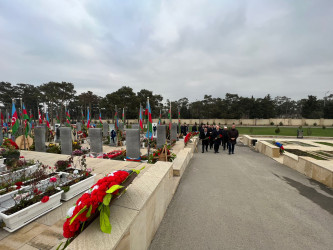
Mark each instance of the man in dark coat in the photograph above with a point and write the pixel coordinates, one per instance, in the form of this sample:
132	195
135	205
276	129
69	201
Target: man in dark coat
224	137
194	128
211	139
204	136
217	136
113	135
232	137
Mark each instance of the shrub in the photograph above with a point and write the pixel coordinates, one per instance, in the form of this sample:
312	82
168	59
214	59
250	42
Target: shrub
251	130
272	123
108	121
324	127
277	130
315	124
281	124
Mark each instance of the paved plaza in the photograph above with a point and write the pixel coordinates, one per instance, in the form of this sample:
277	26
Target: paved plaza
246	201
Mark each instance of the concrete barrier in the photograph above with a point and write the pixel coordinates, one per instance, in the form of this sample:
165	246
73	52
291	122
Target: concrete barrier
310	168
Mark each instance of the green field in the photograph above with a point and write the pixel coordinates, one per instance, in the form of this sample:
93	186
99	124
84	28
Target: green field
285	131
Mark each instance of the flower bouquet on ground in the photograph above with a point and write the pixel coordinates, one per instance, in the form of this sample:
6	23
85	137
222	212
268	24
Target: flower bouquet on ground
53	148
189	136
280	145
96	201
162	154
115	154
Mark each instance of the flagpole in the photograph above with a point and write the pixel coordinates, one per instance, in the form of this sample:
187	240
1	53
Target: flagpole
148	146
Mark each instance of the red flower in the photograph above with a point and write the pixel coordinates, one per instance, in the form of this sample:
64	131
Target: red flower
45	199
69	165
20	183
36	191
53	179
21	156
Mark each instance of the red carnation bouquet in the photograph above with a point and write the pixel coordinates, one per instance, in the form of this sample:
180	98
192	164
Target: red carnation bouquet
97	198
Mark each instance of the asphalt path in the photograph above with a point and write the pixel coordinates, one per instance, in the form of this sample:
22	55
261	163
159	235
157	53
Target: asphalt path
246	201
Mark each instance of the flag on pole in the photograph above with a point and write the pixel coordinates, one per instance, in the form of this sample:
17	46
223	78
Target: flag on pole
123	116
57	118
40	117
160	118
116	120
170	118
2	121
100	118
149	121
26	120
68	118
140	119
82	117
88	119
48	120
179	120
15	121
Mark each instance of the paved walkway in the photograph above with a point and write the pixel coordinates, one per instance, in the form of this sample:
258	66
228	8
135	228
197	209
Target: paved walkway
246	201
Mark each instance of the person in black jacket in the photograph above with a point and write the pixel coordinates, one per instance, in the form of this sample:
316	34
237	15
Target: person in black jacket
211	140
194	128
217	136
225	137
232	137
204	136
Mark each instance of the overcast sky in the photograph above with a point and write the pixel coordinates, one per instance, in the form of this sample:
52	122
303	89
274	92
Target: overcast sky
177	48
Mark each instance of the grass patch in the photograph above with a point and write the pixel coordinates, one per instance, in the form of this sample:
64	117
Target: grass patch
284	131
303	153
325	143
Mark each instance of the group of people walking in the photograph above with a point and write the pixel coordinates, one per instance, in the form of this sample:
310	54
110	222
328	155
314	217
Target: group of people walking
213	136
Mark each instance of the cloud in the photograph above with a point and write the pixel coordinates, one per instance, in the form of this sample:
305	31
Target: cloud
175	48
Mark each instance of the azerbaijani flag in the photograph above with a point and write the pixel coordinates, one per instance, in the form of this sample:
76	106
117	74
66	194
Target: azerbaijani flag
48	120
40	117
88	120
15	121
123	116
140	120
116	120
1	114
68	118
57	118
150	121
100	118
169	116
26	120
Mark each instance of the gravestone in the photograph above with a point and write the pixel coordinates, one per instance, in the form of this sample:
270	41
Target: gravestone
173	132
40	139
161	136
135	126
96	140
121	126
78	126
1	136
105	129
66	140
133	144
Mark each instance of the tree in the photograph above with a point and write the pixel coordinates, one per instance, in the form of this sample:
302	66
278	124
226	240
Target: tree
57	95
